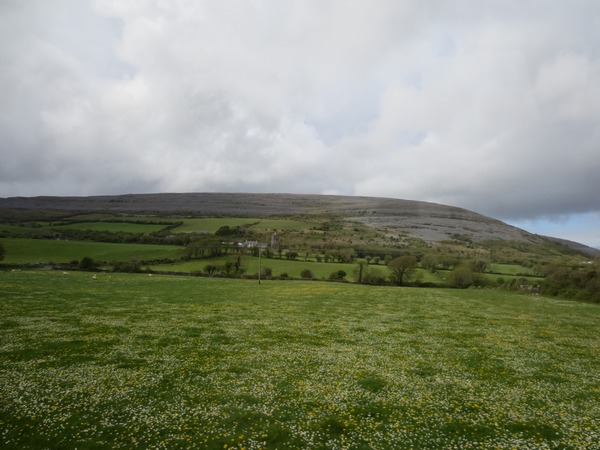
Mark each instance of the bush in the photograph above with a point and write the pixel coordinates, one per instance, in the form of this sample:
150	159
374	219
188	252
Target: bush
211	269
124	266
266	273
461	277
307	274
87	263
582	283
373	276
337	275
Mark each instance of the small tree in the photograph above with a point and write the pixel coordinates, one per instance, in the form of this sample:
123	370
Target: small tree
402	268
461	277
337	275
430	262
479	266
87	263
373	276
228	267
359	271
237	264
210	269
306	273
266	273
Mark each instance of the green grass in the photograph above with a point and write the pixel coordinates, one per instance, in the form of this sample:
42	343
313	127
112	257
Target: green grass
19	230
23	251
180	362
113	227
292	268
510	269
277	265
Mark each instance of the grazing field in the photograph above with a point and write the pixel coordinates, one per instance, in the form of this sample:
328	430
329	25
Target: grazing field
510	269
113	227
34	251
291	268
142	361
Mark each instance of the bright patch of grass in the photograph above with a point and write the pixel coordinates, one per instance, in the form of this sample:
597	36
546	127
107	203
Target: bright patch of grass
166	362
24	230
22	251
113	227
510	269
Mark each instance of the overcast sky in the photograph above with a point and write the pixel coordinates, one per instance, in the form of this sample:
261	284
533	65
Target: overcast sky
490	105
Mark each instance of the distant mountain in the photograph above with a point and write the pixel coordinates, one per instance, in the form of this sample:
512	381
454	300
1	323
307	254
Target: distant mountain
428	221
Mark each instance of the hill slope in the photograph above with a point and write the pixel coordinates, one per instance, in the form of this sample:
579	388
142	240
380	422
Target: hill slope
428	221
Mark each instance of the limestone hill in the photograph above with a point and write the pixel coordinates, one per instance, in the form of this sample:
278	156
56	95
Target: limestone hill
427	221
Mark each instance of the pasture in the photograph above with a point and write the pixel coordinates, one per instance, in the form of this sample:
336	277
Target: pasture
113	227
164	362
34	251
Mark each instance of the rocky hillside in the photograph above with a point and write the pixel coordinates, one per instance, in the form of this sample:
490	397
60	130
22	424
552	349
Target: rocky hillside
428	221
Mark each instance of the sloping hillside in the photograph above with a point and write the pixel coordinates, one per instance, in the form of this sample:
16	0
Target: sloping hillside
428	221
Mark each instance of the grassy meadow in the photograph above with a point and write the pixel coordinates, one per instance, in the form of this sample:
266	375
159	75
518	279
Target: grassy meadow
114	227
161	362
34	251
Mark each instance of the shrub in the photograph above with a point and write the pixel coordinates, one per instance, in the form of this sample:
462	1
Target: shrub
87	263
461	277
210	269
126	266
291	255
307	274
373	276
337	275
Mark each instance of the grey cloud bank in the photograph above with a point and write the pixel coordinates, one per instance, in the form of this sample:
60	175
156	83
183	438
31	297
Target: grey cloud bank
491	106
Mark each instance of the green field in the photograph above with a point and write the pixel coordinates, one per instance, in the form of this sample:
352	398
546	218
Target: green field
34	251
139	361
277	265
292	268
510	269
22	230
113	227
